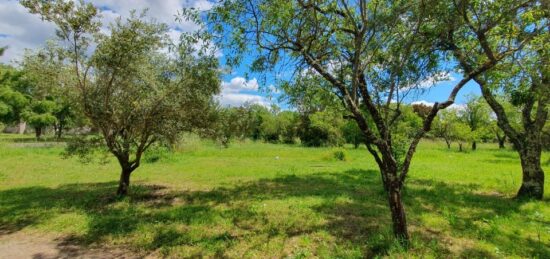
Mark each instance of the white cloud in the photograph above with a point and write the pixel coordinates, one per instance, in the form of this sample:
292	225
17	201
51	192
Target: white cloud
273	89
436	78
454	106
238	99
240	83
431	81
20	30
239	91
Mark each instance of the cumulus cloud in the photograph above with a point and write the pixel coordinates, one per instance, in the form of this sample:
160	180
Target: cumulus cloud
240	83
239	91
21	30
432	80
454	106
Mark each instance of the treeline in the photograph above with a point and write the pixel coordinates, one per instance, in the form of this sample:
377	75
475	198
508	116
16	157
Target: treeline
465	125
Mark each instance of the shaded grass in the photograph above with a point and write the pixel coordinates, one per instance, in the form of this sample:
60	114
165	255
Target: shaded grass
241	202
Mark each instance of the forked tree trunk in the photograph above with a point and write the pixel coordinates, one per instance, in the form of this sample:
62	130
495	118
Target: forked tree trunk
124	182
532	186
474	145
448	142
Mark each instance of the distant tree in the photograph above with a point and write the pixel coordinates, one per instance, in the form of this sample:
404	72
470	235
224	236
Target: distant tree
39	115
310	95
12	100
476	116
352	133
130	89
53	80
462	134
288	126
2	49
444	126
324	129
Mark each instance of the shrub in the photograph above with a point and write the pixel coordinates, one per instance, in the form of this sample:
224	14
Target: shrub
339	155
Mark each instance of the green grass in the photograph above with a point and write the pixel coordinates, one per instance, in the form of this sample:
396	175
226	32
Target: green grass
262	200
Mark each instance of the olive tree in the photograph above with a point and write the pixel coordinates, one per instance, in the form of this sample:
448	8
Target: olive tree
137	87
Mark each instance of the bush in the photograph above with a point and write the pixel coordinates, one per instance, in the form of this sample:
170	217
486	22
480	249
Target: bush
339	155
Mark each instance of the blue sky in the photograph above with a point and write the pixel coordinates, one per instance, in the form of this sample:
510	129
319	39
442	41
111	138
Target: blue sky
20	30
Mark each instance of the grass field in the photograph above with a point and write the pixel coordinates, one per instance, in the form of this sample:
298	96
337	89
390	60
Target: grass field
263	200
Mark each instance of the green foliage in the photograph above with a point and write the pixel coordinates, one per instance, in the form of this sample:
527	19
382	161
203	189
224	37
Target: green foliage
352	133
12	100
40	114
323	129
339	155
52	79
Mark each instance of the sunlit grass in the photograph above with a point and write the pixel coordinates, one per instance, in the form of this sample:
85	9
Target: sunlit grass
265	200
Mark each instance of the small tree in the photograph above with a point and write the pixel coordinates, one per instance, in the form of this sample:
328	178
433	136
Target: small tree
444	126
39	115
476	116
130	89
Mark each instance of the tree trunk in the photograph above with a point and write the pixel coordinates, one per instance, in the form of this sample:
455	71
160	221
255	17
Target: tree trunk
448	143
38	132
460	147
124	182
532	186
474	145
501	143
59	131
393	189
398	216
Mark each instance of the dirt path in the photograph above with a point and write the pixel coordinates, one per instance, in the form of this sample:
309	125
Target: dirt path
24	245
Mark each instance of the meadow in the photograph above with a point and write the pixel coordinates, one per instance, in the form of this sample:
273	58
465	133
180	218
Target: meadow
258	200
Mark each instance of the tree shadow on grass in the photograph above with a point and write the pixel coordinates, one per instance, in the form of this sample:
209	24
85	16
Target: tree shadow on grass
350	206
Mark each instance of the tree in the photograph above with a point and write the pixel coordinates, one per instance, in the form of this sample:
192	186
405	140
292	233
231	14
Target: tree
476	116
515	35
288	126
352	133
370	54
311	96
12	100
130	89
39	115
444	126
462	133
52	79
